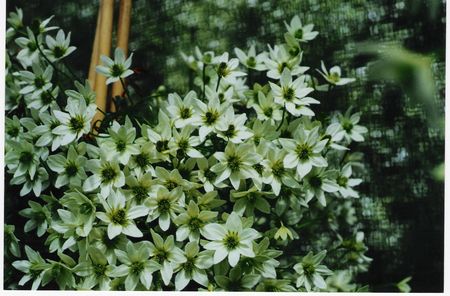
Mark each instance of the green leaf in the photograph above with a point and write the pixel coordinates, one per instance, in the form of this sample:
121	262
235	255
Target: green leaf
222	281
403	285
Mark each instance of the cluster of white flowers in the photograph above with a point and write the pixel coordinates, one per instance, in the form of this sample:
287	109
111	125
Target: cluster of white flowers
228	172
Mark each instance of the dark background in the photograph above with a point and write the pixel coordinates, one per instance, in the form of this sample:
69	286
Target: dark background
402	203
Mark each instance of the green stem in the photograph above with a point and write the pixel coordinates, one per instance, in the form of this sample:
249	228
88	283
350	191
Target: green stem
218	83
204	82
282	118
125	89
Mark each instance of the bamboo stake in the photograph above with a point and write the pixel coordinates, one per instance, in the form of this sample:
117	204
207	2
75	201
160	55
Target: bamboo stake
95	56
123	33
104	48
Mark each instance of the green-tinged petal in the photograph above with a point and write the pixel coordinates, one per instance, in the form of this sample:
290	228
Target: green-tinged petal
166	272
146	279
114	230
119	271
214	231
181	280
131	282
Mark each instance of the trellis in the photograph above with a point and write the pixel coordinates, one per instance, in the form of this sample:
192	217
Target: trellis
102	46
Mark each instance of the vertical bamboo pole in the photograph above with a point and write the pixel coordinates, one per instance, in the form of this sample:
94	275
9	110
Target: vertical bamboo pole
95	56
123	33
104	48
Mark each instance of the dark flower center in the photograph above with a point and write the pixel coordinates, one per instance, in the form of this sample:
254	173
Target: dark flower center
163	205
13	131
46	98
99	269
26	157
210	175
39	82
288	93
116	70
234	162
315	182
189	266
230	132
195	224
268	111
185	113
136	267
223	70
171	184
121	145
108	174
231	240
251	62
162	145
140	193
347	126
119	216
278	169
210	117
183	144
299	34
59	51
77	123
303	151
142	160
308	269
161	256
342	181
31	46
71	169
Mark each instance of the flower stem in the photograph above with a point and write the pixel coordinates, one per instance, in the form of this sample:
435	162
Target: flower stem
204	82
218	83
125	89
282	118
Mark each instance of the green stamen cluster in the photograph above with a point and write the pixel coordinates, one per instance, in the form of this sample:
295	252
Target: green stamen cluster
108	173
116	70
303	151
195	224
162	145
231	240
119	216
121	145
315	182
77	123
26	157
251	62
308	269
222	69
231	131
278	169
142	160
185	113
140	193
71	169
210	117
136	267
234	162
163	205
99	269
288	93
